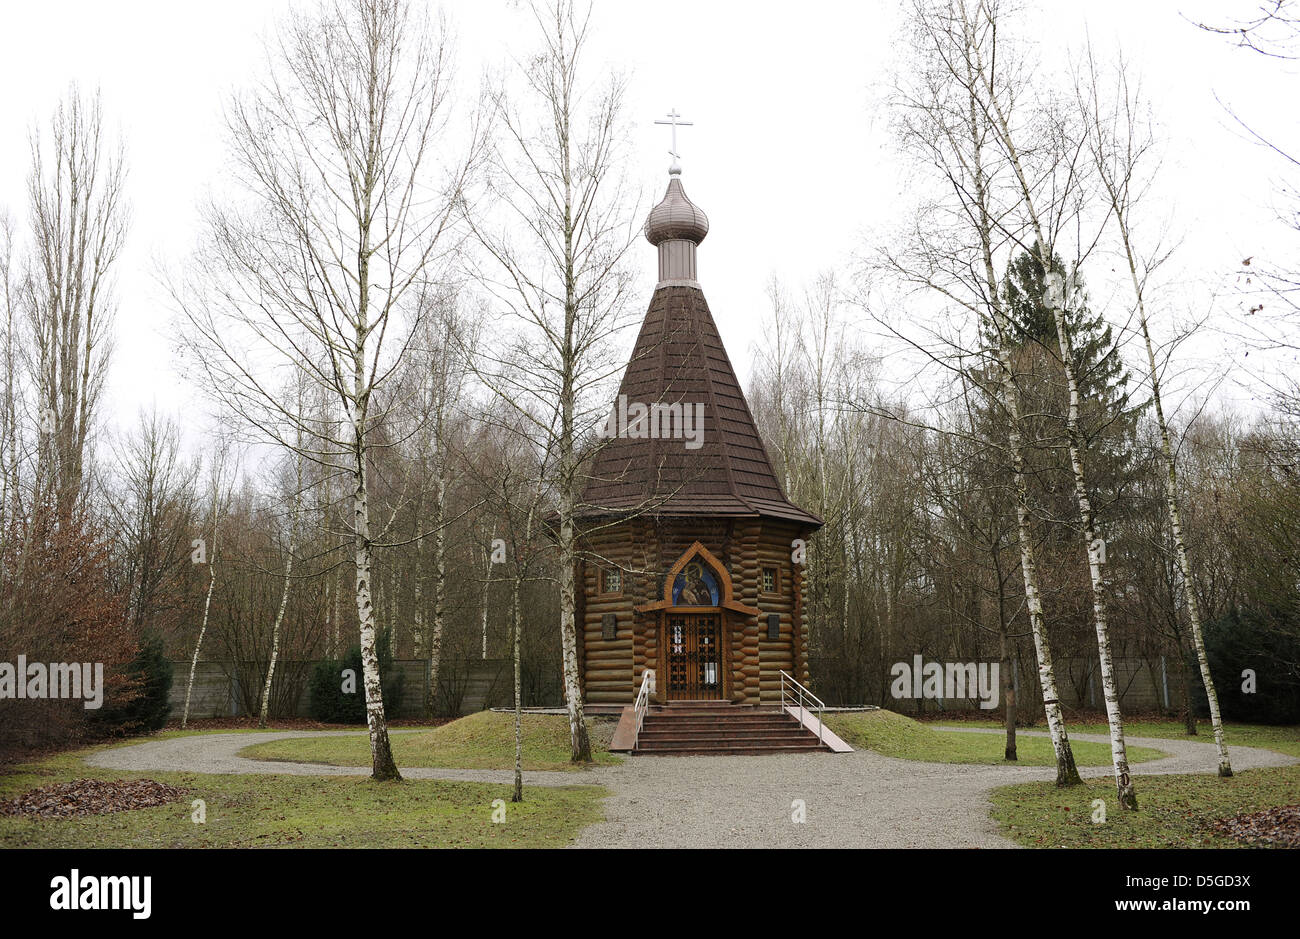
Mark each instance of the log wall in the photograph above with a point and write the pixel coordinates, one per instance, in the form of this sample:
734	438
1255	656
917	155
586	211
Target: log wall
645	549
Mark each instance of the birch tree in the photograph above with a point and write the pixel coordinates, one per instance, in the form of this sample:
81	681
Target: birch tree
442	376
328	255
953	254
1120	143
1047	178
511	473
220	488
290	546
555	265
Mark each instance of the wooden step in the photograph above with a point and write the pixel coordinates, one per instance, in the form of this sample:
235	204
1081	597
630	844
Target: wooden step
681	733
690	728
717	717
733	748
679	743
728	728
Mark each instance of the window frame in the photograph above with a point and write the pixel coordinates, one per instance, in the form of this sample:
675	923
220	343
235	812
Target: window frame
604	576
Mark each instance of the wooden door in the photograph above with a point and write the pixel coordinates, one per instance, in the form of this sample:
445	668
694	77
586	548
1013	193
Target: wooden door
693	648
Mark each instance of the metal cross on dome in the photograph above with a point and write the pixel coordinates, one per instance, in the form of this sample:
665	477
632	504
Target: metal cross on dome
675	120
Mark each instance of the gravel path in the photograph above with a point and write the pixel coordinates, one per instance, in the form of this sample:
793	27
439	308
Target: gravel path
218	753
852	800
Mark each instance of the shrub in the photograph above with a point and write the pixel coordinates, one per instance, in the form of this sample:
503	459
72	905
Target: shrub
144	707
330	704
1268	642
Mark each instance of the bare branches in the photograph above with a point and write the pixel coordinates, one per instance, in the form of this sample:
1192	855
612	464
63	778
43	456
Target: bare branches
326	267
554	262
78	219
1273	29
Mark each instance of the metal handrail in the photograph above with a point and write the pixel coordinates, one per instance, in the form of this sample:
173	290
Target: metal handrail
797	694
642	703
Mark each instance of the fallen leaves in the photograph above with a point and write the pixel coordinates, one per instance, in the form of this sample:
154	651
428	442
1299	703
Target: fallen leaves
1279	827
91	797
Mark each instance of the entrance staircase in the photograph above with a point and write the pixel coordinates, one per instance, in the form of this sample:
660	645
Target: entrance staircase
681	728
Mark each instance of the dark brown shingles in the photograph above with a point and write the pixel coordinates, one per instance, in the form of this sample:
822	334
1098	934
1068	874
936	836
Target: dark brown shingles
679	357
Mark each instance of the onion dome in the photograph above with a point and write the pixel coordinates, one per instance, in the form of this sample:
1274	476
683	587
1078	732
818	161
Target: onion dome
676	217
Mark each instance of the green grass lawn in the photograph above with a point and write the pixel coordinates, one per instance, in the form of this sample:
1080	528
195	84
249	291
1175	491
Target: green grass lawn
1173	811
1284	739
302	811
894	735
481	741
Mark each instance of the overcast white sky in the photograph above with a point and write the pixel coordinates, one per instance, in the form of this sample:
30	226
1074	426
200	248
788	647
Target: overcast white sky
789	155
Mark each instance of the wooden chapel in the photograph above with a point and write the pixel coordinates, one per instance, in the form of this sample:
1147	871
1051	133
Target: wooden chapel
691	553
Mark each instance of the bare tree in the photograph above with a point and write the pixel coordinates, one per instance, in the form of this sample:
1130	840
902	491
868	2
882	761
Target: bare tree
291	543
443	373
1120	142
1047	176
78	221
12	454
221	482
327	263
518	500
556	266
154	516
953	254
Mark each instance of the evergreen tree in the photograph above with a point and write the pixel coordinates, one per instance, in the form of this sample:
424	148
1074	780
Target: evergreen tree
1109	416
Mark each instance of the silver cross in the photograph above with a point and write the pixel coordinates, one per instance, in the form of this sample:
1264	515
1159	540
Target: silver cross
675	120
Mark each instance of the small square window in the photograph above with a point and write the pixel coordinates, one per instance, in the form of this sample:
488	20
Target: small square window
770	580
611	580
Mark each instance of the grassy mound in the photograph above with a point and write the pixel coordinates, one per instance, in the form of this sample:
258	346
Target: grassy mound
1280	737
481	741
1173	811
894	735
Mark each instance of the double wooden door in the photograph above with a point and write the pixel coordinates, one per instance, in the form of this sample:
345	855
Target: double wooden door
693	649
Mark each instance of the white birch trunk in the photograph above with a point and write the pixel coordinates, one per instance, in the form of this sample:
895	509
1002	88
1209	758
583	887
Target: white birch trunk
1123	782
394	605
1067	773
581	744
275	639
284	602
487	583
1119	754
338	617
514	652
203	628
439	589
381	753
417	613
1118	189
329	622
1180	547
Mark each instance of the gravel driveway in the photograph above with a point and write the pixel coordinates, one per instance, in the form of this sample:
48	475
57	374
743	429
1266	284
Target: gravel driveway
851	800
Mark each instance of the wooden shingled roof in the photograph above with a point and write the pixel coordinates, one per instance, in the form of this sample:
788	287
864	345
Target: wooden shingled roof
679	358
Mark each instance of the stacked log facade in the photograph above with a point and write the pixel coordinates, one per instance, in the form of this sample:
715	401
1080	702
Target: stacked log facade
644	550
